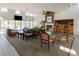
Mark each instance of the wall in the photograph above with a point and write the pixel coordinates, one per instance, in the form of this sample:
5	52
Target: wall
71	13
10	15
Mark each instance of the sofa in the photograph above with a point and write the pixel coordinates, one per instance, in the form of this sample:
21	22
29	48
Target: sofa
11	32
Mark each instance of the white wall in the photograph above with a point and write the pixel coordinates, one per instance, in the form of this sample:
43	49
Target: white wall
71	13
10	15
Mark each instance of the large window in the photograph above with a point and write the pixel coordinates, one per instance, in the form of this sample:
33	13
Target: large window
22	25
11	24
30	24
27	24
34	23
4	25
17	25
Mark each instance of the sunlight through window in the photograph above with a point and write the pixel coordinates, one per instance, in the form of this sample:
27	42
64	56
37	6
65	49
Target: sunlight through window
64	49
73	52
68	50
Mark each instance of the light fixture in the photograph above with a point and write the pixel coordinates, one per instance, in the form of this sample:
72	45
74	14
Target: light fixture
3	9
31	14
18	12
27	14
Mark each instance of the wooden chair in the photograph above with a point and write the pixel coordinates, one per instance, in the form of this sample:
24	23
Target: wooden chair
11	32
45	38
65	37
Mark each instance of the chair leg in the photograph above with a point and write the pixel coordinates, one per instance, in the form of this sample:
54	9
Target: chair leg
26	38
32	37
58	41
53	43
23	37
48	47
67	40
18	35
41	44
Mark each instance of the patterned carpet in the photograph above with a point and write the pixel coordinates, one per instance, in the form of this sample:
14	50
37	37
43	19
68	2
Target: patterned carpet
32	47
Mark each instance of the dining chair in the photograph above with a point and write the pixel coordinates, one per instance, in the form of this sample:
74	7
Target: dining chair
27	33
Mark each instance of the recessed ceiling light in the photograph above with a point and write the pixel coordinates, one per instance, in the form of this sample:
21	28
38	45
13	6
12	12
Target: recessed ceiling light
27	14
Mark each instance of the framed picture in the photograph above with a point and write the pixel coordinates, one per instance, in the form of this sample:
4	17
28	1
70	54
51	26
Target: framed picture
49	19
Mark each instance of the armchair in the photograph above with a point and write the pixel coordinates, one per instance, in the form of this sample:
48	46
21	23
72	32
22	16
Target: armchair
45	38
11	32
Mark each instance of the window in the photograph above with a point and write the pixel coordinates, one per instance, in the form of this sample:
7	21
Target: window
27	24
4	25
27	14
18	12
34	15
11	24
3	9
34	23
31	15
22	24
31	24
17	25
49	19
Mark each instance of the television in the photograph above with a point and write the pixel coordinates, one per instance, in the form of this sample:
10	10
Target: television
17	17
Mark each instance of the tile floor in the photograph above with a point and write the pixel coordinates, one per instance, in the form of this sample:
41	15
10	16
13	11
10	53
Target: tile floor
6	49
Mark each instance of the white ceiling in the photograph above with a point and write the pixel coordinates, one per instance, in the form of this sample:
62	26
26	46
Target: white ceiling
37	7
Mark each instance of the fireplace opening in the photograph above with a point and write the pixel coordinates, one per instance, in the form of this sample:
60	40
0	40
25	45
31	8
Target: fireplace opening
48	27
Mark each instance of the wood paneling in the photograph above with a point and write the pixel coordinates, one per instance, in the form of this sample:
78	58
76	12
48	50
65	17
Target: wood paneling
64	26
49	14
